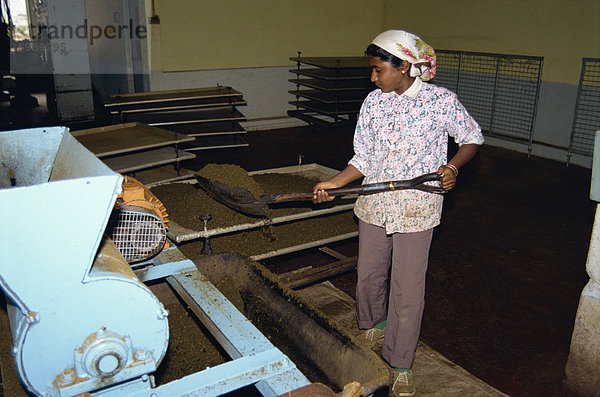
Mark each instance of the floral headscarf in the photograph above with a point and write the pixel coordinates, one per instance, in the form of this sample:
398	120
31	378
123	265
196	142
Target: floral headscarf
411	48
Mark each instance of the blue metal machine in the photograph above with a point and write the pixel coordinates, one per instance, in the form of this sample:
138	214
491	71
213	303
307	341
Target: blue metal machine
81	320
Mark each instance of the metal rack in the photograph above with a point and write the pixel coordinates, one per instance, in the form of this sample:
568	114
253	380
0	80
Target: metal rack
329	90
500	91
209	115
586	120
151	155
180	234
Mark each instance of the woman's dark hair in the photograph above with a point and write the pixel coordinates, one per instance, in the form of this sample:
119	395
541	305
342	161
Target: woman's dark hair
376	51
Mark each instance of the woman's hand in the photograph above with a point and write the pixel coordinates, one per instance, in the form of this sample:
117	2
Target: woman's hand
449	171
320	195
345	176
448	178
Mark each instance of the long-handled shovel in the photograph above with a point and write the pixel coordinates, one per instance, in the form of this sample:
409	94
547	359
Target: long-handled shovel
240	199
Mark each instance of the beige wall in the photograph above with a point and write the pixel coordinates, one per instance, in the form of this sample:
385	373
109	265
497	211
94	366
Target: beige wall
561	31
247	44
224	34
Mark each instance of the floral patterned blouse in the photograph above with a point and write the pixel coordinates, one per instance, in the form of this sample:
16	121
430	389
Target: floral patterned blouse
401	137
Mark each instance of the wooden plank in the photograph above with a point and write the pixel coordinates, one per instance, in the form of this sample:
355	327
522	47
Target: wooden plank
236	133
170	95
333	62
304	246
188	117
328	109
336	85
214	128
333	253
315	119
150	158
332	97
313	275
312	170
162	174
179	105
333	74
216	142
125	138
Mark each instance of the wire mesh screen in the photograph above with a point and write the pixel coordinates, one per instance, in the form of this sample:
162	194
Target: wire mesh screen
137	235
586	120
500	91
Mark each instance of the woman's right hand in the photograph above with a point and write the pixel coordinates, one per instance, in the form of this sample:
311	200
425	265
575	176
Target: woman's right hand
319	193
345	176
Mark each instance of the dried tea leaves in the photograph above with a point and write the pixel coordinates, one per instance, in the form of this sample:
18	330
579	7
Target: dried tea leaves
232	175
185	202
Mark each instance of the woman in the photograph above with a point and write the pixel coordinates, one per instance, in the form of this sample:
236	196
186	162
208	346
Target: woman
401	133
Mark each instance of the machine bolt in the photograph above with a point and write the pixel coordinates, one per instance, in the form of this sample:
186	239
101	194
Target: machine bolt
140	355
145	378
205	218
206	250
32	317
67	376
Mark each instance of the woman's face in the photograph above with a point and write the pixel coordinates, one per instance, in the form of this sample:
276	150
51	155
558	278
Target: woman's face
387	76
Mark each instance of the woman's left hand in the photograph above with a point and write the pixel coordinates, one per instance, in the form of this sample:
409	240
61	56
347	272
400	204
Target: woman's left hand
448	179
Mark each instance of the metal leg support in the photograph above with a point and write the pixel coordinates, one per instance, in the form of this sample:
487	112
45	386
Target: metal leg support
255	359
238	336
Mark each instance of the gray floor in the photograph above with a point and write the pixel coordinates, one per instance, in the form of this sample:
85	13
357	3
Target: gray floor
434	374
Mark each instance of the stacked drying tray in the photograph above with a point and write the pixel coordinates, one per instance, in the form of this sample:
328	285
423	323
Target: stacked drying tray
209	115
329	90
149	154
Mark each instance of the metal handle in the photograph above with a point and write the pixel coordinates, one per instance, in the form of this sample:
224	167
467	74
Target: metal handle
370	188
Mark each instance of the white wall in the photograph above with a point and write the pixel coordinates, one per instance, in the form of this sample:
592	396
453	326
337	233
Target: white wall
110	58
264	89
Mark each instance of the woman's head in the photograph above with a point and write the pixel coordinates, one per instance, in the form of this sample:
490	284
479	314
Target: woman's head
378	52
389	74
395	46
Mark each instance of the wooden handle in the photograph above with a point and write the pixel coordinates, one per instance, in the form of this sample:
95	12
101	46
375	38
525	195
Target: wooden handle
370	188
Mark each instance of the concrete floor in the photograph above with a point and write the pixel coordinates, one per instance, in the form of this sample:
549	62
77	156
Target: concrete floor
434	374
507	264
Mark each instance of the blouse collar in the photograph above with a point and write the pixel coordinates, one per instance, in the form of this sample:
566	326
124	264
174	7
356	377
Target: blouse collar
411	92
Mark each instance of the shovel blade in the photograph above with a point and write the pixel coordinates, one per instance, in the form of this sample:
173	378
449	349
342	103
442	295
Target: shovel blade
235	197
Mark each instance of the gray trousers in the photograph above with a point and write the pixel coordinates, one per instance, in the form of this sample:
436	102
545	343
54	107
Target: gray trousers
397	297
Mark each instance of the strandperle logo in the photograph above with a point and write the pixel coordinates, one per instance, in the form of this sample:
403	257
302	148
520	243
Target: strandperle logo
92	33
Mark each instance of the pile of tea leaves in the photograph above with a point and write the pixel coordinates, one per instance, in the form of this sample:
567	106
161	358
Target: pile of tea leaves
231	175
186	202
